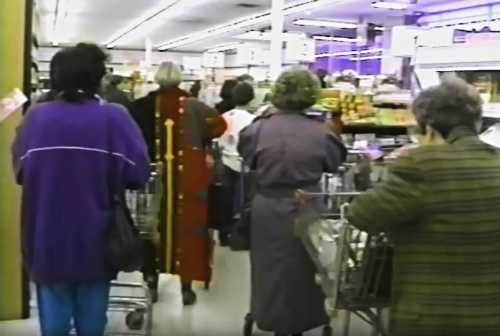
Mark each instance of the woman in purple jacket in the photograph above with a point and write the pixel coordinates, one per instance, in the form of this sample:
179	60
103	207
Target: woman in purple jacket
67	154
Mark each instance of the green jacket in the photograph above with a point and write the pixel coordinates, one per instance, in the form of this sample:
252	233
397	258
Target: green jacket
441	207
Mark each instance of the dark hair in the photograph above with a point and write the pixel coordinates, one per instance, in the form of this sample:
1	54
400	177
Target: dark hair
195	89
450	105
245	77
243	94
391	80
227	89
76	72
296	90
116	80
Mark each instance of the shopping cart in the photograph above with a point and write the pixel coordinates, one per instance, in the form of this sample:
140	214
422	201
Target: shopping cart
135	299
354	267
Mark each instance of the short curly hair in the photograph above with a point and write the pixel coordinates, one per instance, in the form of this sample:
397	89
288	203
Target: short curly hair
450	105
296	90
243	94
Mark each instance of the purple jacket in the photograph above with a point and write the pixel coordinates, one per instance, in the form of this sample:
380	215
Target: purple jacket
62	159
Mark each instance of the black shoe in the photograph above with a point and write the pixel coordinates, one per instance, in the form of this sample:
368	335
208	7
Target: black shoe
188	297
224	240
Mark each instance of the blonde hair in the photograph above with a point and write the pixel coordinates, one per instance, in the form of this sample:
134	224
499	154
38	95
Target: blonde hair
168	74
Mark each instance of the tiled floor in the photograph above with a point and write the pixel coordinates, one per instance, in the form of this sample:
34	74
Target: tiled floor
219	311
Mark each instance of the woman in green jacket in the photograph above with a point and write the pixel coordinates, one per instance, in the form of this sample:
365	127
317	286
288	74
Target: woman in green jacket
441	207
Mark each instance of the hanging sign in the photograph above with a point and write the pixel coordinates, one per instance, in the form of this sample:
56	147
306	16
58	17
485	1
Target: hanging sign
10	104
214	60
300	50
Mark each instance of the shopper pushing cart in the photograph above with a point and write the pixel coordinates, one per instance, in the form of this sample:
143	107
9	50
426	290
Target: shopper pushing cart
288	151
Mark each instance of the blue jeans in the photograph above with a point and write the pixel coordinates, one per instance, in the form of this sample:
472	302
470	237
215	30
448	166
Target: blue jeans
85	304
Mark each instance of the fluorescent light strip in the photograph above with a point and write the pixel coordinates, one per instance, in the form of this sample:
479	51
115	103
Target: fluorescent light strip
325	23
351	53
151	14
390	5
60	14
367	58
224	47
454	6
336	39
293	8
266	36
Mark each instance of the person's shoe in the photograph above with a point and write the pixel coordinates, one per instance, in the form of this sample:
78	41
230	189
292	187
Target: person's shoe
188	297
154	295
224	240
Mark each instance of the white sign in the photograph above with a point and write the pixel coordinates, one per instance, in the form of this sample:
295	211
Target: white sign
300	50
249	54
404	41
214	60
11	103
192	62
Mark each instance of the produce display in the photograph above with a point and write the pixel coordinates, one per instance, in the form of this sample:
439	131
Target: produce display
364	109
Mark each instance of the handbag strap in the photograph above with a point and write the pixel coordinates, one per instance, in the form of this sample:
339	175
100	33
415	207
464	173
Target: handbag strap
113	183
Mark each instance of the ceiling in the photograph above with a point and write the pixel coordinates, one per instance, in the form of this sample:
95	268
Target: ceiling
98	20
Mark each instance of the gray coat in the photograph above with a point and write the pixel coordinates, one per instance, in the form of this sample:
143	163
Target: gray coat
288	151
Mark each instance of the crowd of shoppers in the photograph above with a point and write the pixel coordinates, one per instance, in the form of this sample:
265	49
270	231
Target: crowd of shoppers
438	205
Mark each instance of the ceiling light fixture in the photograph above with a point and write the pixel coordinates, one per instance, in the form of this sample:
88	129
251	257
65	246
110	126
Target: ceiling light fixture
140	22
366	58
351	53
224	47
393	4
457	5
336	39
60	15
244	22
266	36
326	24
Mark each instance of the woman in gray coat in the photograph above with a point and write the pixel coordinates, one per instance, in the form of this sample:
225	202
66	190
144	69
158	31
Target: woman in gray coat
288	151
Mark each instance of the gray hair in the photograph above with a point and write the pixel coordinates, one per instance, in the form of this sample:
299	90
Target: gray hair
296	90
168	74
450	105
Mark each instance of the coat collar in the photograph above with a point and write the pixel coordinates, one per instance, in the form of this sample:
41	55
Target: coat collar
460	133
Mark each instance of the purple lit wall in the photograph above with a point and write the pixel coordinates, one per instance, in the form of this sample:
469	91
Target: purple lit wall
339	64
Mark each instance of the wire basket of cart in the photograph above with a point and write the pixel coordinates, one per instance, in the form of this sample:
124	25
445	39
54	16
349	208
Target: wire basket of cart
354	267
144	204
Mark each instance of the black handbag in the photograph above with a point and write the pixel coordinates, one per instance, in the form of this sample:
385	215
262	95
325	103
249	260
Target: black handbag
123	242
240	235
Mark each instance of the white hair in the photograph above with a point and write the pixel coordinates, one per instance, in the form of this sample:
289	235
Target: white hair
168	74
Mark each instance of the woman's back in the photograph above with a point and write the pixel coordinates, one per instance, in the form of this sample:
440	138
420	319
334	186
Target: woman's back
292	151
63	163
440	206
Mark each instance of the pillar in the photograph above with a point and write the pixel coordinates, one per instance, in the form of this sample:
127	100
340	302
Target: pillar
12	46
277	38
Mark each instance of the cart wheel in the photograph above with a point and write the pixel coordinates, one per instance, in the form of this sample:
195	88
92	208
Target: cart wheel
248	329
327	331
135	320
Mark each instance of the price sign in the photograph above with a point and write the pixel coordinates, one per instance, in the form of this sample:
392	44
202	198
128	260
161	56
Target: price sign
10	104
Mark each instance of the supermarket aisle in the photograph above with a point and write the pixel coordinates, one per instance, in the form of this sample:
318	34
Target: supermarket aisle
219	312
